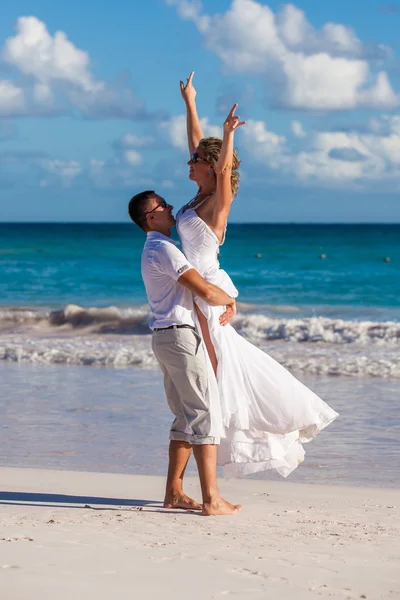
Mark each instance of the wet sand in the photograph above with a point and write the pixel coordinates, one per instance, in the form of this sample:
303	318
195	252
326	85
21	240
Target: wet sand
118	420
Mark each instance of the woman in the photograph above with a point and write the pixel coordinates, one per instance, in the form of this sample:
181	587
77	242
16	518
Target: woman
267	413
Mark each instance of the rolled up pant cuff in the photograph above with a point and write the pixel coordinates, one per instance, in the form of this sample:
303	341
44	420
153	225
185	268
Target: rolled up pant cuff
194	440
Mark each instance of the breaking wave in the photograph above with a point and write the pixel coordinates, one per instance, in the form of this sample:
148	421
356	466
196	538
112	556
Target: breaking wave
256	327
318	330
119	337
96	320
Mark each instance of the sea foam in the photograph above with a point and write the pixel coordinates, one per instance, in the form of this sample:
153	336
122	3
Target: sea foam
120	337
135	351
256	327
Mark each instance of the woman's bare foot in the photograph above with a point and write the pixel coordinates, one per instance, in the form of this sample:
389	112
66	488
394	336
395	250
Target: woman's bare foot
181	501
219	506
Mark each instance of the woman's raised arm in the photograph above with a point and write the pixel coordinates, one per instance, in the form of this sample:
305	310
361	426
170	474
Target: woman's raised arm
193	127
224	164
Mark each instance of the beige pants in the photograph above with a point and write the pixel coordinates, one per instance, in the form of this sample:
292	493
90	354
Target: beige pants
181	356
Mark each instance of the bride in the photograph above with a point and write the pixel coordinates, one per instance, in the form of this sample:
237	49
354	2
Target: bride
267	413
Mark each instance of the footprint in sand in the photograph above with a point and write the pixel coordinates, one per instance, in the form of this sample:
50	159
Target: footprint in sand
260	574
16	539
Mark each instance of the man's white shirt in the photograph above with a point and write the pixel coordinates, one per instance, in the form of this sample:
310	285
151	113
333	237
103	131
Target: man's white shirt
162	264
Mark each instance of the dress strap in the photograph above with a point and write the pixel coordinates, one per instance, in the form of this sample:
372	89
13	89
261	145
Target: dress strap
192	202
202	201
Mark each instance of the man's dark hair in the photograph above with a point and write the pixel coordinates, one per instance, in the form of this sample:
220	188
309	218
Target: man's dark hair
138	206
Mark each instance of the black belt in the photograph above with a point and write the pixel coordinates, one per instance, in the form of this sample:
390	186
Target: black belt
175	327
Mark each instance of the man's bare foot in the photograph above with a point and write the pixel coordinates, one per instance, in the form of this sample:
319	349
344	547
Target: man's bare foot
219	506
181	501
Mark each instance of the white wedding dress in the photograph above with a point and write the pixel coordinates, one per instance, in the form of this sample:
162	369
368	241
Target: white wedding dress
264	413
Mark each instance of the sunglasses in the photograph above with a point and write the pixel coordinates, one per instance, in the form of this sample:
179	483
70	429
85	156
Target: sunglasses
196	158
163	204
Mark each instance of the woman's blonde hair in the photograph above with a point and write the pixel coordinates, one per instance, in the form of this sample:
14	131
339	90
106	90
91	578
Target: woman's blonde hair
212	148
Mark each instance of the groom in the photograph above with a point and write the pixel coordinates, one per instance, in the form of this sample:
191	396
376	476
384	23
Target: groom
170	283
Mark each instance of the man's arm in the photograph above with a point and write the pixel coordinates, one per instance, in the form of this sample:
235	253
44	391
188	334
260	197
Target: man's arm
170	261
207	291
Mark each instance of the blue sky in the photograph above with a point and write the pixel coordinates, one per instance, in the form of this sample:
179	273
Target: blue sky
90	109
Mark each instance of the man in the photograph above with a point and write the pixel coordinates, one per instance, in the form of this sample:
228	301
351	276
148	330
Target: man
170	283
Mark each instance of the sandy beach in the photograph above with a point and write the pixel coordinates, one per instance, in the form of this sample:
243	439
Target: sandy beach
85	535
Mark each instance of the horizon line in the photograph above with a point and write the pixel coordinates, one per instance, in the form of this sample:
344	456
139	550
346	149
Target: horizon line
231	223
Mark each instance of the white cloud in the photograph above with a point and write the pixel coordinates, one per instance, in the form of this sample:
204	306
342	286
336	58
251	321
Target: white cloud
107	102
175	130
322	82
113	174
245	38
131	140
293	26
299	35
341	38
297	129
116	174
12	99
96	166
271	147
65	170
132	157
35	52
331	157
324	69
190	10
136	141
380	95
167	184
57	76
126	148
42	94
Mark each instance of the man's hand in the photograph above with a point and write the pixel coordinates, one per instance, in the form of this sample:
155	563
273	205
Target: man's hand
228	315
232	122
188	91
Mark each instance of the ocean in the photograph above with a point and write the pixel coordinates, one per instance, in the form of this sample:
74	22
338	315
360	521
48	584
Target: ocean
323	300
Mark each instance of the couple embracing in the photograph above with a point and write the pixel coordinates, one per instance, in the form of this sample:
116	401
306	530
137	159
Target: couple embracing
233	404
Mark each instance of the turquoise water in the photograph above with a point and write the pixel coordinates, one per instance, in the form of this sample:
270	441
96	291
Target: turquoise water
51	265
73	294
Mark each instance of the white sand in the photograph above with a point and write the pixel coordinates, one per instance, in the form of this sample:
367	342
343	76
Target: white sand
292	541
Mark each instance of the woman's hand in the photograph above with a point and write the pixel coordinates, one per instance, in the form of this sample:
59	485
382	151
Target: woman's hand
227	316
232	122
188	91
